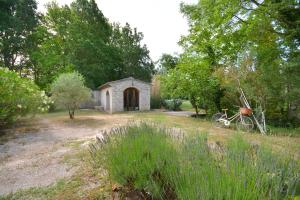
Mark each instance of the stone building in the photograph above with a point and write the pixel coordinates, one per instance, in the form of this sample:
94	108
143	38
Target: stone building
127	94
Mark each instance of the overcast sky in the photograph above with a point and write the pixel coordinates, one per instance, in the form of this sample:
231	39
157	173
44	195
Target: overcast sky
160	20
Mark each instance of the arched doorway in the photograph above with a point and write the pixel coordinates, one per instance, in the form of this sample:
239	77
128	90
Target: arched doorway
131	99
107	106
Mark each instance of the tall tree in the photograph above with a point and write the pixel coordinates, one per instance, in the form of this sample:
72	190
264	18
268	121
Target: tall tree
259	38
192	79
89	38
167	62
50	57
134	57
79	37
18	20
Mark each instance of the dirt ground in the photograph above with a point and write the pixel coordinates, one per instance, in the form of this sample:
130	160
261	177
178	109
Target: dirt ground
33	155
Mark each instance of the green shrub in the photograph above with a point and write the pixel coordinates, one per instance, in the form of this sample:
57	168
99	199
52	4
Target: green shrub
139	157
148	159
68	91
19	97
155	102
172	104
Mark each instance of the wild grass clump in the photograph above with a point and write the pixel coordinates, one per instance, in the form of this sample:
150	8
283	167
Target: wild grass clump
279	131
146	158
139	157
238	171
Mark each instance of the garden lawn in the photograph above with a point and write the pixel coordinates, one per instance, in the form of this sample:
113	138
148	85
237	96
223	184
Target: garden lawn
187	106
282	140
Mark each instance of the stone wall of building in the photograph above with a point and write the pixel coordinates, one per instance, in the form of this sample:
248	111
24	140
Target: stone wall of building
95	100
118	92
103	94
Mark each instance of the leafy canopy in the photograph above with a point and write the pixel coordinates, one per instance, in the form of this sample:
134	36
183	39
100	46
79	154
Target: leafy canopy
255	42
79	37
192	78
167	62
18	20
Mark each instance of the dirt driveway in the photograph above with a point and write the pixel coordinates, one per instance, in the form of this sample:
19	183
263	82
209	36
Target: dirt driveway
34	156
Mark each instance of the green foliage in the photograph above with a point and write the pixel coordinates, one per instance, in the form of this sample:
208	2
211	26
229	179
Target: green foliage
193	79
50	192
68	91
73	37
255	42
134	155
155	102
69	38
170	85
139	157
134	58
172	104
79	37
18	20
186	105
167	62
19	97
49	58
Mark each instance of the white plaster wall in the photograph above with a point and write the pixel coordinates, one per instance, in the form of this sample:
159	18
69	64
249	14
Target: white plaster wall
103	98
118	98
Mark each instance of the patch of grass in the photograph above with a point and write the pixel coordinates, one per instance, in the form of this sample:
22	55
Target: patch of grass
190	125
187	106
75	144
64	114
82	121
277	131
82	118
62	187
76	156
149	159
75	188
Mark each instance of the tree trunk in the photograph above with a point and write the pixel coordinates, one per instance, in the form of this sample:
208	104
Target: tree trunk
193	102
71	114
197	111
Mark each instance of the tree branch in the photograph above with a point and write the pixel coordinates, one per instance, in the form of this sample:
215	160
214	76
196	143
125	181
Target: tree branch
256	3
240	19
247	8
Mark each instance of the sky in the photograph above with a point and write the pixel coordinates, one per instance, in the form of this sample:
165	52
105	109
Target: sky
159	20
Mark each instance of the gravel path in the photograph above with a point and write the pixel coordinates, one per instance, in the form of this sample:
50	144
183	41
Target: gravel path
35	158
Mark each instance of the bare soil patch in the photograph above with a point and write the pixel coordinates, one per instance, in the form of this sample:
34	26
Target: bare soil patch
32	153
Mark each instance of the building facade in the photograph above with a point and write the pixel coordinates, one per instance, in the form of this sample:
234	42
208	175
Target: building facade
127	94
